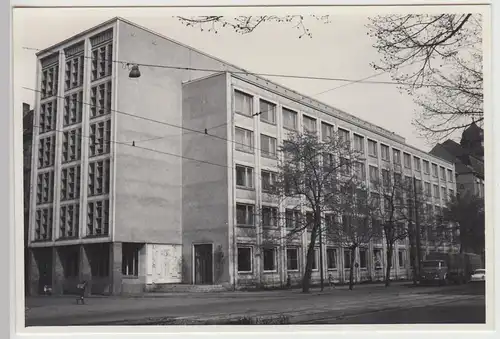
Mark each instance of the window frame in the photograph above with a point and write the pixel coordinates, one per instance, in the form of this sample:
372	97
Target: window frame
250	260
328	259
294	114
360	143
272	180
372	142
244	94
248	136
416	164
365	252
272	144
427	166
387	149
274	257
296	259
263	117
327	131
273	216
247	207
248	177
311	120
407	156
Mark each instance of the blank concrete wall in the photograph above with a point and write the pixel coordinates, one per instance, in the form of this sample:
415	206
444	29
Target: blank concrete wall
205	186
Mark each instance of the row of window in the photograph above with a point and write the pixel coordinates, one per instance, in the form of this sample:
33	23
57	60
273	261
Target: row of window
97	220
267	113
270	259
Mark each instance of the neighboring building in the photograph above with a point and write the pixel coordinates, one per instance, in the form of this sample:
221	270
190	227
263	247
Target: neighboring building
27	154
128	219
468	157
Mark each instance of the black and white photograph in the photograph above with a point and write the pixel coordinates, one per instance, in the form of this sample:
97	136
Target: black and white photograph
253	166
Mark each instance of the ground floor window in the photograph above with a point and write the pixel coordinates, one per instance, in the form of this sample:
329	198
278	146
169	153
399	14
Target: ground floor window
130	259
331	258
377	258
244	259
401	258
269	255
99	260
292	259
347	258
362	258
314	264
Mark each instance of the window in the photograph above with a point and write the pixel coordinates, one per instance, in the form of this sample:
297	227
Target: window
360	170
268	181
292	259
434	170
418	184
450	175
377	258
451	193
289	119
73	107
326	131
99	177
72	145
345	168
292	219
443	173
269	256
396	156
386	178
243	140
130	259
359	143
269	216
43	224
427	169
45	188
436	191
100	100
443	193
347	258
267	112
244	259
363	258
309	220
416	163
407	160
427	186
373	174
102	56
243	103
48	117
344	136
372	148
244	214
244	176
70	220
401	258
314	263
98	218
73	76
70	183
384	150
328	162
268	146
331	258
46	151
100	138
50	79
398	180
309	124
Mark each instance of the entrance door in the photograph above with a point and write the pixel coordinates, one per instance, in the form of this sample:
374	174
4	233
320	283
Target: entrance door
203	273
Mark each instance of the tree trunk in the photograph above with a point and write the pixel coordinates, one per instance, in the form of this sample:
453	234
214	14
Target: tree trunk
413	257
388	266
306	280
351	271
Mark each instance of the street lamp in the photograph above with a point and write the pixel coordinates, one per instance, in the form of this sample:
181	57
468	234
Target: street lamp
134	72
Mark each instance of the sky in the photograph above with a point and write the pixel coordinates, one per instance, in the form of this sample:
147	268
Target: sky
339	49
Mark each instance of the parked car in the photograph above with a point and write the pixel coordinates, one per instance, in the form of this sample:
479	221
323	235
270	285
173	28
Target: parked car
478	275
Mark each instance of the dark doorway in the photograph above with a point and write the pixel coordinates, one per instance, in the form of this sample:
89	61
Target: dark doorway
203	272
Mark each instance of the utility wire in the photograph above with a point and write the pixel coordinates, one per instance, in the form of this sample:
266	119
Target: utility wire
143	148
158	122
127	63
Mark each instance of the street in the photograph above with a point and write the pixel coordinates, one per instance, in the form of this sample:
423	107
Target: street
400	303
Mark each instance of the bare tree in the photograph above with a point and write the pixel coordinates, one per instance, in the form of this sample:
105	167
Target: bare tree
438	60
351	223
307	182
248	24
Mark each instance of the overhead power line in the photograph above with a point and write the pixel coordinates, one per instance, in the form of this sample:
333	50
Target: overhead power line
305	77
204	132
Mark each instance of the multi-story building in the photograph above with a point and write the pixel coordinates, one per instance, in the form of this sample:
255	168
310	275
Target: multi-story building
130	196
27	154
468	157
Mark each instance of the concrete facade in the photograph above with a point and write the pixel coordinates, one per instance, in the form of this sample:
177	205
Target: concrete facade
166	211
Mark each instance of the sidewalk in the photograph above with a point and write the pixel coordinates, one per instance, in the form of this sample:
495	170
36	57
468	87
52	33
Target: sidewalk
206	306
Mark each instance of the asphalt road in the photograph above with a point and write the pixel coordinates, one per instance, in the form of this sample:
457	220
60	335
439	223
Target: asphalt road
367	305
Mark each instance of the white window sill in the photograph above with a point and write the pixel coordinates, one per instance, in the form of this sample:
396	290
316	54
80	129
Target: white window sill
245	272
243	114
245	188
